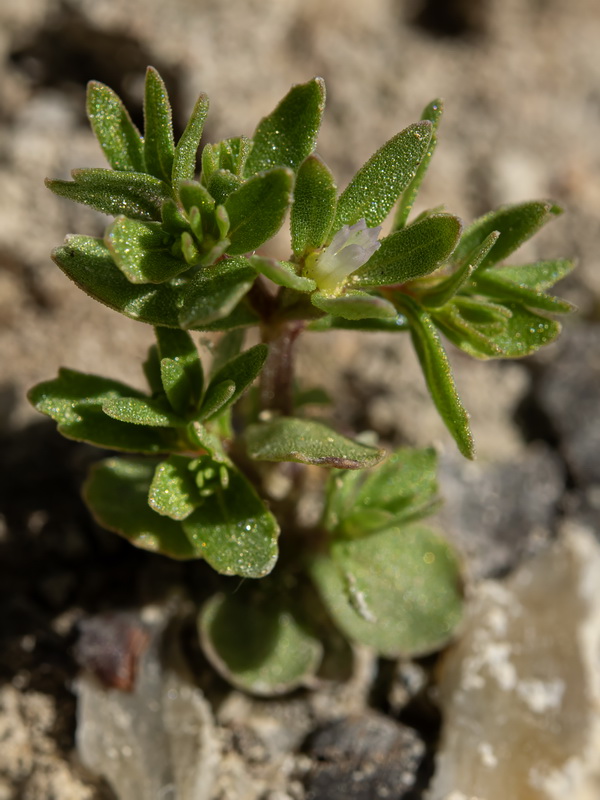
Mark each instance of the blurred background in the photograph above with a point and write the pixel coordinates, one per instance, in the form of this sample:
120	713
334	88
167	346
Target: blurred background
520	80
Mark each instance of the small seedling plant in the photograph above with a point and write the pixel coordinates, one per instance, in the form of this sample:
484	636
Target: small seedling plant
220	449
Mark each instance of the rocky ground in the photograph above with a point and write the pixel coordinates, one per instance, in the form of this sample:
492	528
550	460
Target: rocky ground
511	711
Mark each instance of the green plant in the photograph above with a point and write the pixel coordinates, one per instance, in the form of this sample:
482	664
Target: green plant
180	256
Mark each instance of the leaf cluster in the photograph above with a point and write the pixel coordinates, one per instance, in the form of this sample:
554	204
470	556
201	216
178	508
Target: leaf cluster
181	255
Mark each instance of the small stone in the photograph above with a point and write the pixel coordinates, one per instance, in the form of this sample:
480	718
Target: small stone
363	757
520	692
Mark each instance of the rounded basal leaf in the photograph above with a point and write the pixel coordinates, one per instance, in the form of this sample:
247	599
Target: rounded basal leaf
308	442
314	206
377	185
256	644
289	134
116	492
411	252
398	591
119	139
142	251
257	209
234	531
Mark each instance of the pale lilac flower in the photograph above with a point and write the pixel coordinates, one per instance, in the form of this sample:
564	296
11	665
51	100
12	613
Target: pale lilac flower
351	247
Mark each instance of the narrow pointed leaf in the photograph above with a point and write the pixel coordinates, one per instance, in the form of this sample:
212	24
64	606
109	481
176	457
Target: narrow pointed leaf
118	137
433	113
184	160
496	283
328	323
398	591
140	411
289	134
538	276
438	375
176	385
257	209
141	251
228	347
116	492
233	530
215	291
159	147
314	205
355	305
136	195
217	399
277	652
443	291
151	367
241	370
411	252
308	442
375	188
516	224
282	273
173	492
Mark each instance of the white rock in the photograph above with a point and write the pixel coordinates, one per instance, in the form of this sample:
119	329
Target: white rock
520	691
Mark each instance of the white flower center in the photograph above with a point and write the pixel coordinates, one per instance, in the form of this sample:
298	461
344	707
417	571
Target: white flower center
351	247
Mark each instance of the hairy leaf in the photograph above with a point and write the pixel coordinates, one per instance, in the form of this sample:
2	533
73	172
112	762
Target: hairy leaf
398	591
215	291
308	442
282	273
184	160
242	371
355	305
257	209
173	492
141	251
411	252
119	139
159	147
289	134
377	185
314	206
136	195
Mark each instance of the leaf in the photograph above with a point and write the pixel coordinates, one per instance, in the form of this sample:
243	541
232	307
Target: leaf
289	134
314	205
308	442
116	492
398	591
119	139
438	375
400	490
242	371
151	367
215	291
233	530
159	147
217	399
177	347
369	325
538	276
276	653
377	185
355	305
411	252
433	113
140	411
136	195
75	399
257	209
193	194
184	159
282	273
513	286
88	263
515	223
228	347
442	292
141	251
173	492
222	183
